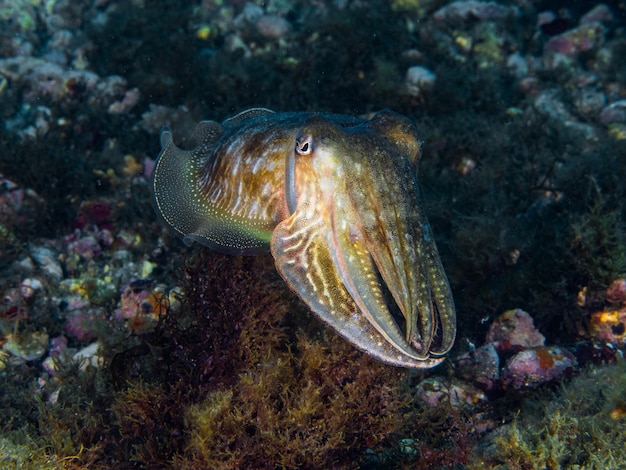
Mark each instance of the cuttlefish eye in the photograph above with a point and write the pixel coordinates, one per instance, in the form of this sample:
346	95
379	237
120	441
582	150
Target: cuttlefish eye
304	146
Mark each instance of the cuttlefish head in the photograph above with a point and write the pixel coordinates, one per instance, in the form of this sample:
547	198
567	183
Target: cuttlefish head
357	246
337	201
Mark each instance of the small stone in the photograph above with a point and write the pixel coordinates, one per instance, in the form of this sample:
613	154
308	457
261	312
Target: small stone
435	391
537	366
616	292
273	27
29	287
408	446
615	112
25	265
28	346
517	65
514	330
574	41
86	247
481	367
251	14
599	13
84	324
418	80
588	101
128	101
47	261
88	356
472	9
609	326
548	103
545	17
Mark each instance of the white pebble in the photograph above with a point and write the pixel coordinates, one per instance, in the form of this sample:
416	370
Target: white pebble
418	80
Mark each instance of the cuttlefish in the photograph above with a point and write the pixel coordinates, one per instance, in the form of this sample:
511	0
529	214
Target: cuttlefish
336	201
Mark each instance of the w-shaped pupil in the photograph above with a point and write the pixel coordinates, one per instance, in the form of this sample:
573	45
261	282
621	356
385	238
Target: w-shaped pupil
303	148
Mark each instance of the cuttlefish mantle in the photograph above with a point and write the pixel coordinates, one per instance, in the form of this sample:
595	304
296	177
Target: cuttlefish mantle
336	201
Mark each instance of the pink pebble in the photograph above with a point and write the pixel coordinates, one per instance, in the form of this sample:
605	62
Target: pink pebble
615	112
272	26
533	367
573	41
481	366
87	247
514	330
616	292
599	13
83	325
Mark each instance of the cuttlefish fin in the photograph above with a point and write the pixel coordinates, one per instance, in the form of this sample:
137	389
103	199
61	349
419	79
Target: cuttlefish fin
307	263
246	114
181	204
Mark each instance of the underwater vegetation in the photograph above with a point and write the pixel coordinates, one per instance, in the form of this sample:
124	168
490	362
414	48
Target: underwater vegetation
279	389
252	382
581	425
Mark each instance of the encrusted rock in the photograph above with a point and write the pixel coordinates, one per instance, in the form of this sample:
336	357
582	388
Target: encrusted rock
481	366
536	366
514	330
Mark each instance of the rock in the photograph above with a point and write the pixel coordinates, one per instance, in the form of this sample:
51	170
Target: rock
88	356
599	13
537	366
29	287
615	112
28	346
468	9
86	247
435	391
272	26
609	325
588	101
481	367
418	80
513	331
574	41
47	261
616	292
517	65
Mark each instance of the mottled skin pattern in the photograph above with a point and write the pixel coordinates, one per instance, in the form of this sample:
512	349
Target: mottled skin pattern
336	200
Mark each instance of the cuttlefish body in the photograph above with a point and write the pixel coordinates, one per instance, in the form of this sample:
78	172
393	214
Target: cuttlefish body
337	202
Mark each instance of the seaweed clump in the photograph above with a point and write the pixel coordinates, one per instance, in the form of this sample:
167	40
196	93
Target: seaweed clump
583	425
275	394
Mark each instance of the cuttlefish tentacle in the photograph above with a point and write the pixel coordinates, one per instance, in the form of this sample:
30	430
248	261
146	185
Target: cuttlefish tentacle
358	205
443	302
308	266
336	200
391	220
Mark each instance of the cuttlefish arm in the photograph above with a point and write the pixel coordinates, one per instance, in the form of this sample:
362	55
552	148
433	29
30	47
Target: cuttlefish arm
400	238
305	261
356	218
